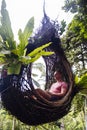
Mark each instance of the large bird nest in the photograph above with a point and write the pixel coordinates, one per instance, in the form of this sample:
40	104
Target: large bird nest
18	93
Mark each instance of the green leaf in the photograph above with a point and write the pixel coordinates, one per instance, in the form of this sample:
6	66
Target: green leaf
14	68
37	50
28	30
2	55
77	79
82	83
36	54
46	53
27	59
21	45
5	52
2	61
5	28
23	36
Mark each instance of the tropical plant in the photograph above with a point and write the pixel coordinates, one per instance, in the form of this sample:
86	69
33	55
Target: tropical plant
13	55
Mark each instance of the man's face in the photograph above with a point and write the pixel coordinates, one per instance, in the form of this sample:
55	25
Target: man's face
57	75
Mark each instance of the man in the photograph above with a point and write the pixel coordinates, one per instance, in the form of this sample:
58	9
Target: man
57	90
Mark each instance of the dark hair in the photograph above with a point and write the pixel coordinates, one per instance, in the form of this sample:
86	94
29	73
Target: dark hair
58	71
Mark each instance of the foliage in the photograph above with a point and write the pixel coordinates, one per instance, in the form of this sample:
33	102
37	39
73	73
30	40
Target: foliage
8	122
13	55
76	49
62	27
81	82
70	5
76	6
75	45
75	119
74	122
5	119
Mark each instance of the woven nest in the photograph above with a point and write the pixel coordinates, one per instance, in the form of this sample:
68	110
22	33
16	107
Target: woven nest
18	90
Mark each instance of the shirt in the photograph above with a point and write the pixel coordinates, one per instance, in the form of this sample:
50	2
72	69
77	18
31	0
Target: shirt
56	87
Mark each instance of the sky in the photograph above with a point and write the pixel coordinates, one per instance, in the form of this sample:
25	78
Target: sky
20	11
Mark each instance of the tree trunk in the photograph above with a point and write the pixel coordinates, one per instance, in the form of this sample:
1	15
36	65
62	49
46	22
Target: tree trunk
86	113
62	126
13	124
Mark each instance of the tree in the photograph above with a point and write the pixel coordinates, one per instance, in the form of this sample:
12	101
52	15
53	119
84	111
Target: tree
75	44
76	35
76	49
75	6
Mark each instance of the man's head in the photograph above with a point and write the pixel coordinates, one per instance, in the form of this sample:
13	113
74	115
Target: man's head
58	75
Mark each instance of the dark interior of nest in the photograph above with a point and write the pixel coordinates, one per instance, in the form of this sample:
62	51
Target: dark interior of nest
18	93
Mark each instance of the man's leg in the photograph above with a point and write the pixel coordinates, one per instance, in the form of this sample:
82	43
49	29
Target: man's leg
43	93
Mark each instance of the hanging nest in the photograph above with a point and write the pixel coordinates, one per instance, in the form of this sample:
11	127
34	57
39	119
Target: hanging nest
18	94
